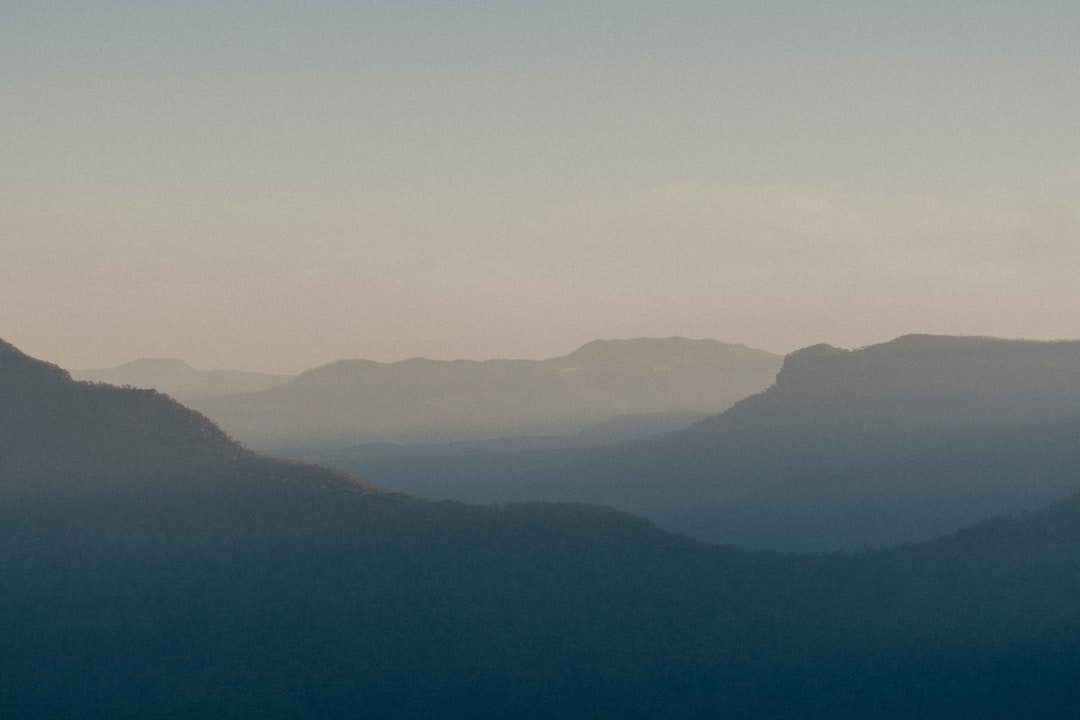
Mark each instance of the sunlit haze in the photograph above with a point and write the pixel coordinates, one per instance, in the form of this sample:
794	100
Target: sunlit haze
272	186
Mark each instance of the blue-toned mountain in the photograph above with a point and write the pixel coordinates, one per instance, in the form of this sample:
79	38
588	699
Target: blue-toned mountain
896	442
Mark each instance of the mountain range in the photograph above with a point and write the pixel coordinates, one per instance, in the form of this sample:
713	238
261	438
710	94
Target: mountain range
152	567
605	390
902	441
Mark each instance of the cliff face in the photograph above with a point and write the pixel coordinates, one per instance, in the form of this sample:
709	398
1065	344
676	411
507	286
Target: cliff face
928	365
928	380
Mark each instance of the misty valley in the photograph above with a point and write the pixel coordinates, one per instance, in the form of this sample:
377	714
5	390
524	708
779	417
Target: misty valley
610	360
824	450
641	528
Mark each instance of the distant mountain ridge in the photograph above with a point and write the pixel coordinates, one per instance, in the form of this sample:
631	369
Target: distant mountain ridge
419	400
901	441
995	377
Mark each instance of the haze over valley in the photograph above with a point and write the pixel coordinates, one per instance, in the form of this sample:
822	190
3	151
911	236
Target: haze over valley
896	442
840	450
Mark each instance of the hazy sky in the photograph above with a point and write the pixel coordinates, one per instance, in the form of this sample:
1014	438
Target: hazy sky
270	185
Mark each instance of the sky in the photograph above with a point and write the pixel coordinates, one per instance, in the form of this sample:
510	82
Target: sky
273	185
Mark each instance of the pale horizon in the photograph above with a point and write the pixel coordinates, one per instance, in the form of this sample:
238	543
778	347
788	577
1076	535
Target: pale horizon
211	364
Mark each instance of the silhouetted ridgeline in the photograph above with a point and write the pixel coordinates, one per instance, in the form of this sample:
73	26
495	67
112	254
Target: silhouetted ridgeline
419	400
197	580
925	378
901	441
57	431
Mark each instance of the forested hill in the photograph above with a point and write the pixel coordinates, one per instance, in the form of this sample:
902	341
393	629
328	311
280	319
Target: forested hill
60	432
245	588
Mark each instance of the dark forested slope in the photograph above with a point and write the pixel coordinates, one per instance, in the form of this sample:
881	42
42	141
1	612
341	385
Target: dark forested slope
198	580
83	437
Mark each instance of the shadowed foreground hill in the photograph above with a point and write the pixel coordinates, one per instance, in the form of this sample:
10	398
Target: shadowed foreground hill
202	581
419	400
77	437
896	442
